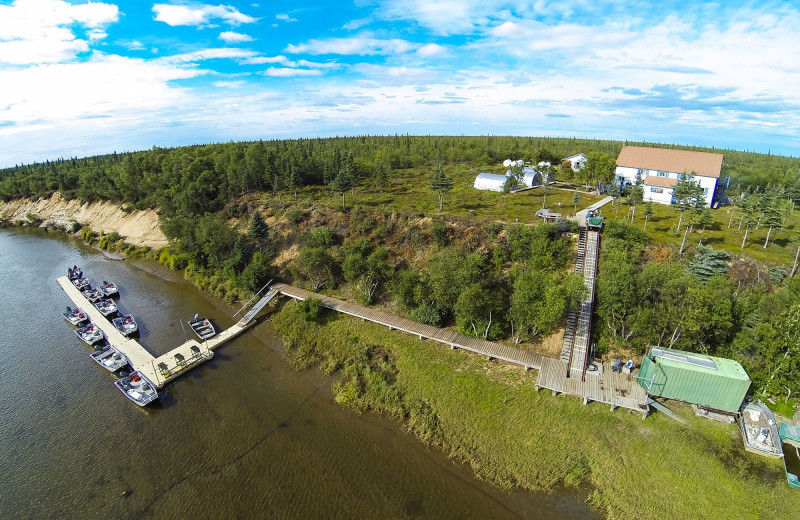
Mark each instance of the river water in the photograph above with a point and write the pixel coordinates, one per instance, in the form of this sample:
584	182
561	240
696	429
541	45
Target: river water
242	436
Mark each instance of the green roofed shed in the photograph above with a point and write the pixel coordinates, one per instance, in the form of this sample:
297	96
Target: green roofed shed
695	378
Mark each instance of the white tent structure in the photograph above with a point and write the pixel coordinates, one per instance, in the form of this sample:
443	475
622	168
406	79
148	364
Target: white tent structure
490	182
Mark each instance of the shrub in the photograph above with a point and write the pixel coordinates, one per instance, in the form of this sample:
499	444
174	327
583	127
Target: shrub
295	216
310	309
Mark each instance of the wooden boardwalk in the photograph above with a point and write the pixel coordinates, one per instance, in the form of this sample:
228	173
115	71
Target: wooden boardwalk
448	337
617	390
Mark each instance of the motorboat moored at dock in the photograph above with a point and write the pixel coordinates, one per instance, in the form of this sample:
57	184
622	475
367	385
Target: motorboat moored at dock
106	307
109	288
90	334
75	316
81	283
202	327
125	324
109	358
93	295
137	388
74	272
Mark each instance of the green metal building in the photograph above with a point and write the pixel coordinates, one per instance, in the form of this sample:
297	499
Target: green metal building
685	376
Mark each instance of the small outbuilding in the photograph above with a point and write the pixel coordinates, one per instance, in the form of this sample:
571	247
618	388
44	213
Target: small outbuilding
707	381
577	161
490	182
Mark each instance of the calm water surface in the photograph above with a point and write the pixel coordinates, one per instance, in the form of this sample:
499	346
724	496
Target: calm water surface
242	436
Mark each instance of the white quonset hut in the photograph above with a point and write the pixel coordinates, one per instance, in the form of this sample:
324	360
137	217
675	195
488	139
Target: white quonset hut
577	161
650	164
490	182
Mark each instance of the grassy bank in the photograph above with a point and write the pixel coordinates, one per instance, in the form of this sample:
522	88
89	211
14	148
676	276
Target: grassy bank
490	415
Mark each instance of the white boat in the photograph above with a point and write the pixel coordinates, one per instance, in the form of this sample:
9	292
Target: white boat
81	283
74	272
125	324
109	288
137	388
75	316
106	307
90	334
109	358
202	327
93	295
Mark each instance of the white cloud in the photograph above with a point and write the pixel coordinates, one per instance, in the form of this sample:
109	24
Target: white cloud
133	45
353	25
105	85
199	14
234	37
359	46
285	18
281	72
209	54
40	31
432	49
230	84
286	62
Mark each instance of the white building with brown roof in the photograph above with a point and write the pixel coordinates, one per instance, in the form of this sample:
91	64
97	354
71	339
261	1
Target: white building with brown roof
660	169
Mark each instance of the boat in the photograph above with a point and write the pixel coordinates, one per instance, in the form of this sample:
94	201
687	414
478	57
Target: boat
109	288
137	388
90	334
760	431
202	327
93	295
106	307
81	283
74	272
75	316
109	358
125	324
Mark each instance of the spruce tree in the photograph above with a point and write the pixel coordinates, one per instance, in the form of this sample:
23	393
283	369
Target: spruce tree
440	183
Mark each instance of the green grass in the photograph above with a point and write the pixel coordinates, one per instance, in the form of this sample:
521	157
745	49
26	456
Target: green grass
661	228
490	415
408	192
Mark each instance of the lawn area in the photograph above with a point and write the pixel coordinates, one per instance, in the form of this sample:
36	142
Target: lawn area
408	192
661	228
490	415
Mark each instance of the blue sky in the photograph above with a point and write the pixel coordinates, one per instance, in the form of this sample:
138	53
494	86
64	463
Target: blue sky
80	77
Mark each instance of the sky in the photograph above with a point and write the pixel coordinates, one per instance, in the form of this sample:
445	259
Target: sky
81	78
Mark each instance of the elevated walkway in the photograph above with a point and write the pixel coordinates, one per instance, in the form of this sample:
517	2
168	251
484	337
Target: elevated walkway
605	386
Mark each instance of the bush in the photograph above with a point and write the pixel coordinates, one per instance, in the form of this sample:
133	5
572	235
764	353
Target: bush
295	216
427	314
310	309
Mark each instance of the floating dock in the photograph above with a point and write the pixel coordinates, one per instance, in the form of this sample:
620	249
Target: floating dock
162	369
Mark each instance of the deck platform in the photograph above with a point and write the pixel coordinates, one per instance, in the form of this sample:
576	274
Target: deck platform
162	369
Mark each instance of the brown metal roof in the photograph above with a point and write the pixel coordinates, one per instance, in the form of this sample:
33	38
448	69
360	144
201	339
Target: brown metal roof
664	182
665	159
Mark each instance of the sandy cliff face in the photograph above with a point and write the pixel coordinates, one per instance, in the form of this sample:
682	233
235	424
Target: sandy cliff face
137	227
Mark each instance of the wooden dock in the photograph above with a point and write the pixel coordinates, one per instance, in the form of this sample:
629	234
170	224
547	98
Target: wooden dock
162	369
617	390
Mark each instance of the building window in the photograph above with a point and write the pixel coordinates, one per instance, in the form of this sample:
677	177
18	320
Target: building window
661	173
705	191
656	190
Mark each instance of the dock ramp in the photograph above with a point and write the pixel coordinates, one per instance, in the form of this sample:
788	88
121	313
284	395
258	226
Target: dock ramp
247	318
